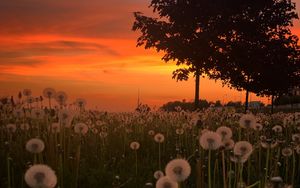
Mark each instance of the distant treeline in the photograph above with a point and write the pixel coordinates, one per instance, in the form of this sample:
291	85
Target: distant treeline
189	106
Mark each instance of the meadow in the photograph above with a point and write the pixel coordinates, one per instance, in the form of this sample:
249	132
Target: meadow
68	146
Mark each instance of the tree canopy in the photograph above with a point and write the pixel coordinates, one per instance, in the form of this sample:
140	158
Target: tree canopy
246	44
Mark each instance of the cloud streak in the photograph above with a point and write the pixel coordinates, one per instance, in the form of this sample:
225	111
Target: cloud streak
90	18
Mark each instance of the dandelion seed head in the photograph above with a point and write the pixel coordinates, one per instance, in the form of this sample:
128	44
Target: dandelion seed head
247	121
103	134
287	152
210	140
81	128
27	92
178	170
258	127
277	129
275	182
18	113
37	113
24	126
224	132
242	148
40	176
297	149
151	132
61	97
158	174
30	99
296	137
55	128
159	138
166	182
228	144
179	131
11	127
35	145
49	93
134	145
80	102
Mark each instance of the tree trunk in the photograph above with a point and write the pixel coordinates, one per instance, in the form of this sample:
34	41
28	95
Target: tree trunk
247	101
197	83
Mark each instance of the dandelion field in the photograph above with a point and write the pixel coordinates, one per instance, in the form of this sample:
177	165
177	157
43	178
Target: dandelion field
70	146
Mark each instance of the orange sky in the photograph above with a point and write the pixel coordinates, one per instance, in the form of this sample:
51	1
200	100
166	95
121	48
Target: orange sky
87	49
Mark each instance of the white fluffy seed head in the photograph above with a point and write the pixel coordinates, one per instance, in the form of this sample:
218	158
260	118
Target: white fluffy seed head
243	149
24	126
178	170
277	129
258	127
40	176
134	145
55	128
37	113
81	128
158	174
296	138
151	132
286	152
179	131
49	93
228	144
11	127
224	132
35	145
210	140
166	182
247	121
159	138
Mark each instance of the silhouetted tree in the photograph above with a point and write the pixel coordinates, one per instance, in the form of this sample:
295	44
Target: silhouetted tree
187	106
218	103
226	39
259	53
237	104
184	30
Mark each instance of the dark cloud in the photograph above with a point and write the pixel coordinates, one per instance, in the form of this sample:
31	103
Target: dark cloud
55	48
89	18
7	62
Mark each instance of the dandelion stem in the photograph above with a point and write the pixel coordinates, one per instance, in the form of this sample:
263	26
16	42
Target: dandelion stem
159	162
8	172
35	159
136	167
215	173
78	163
224	170
209	169
267	165
293	170
286	168
229	177
241	173
248	170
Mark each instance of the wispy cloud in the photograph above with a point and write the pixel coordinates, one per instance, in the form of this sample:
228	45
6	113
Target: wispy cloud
55	48
89	18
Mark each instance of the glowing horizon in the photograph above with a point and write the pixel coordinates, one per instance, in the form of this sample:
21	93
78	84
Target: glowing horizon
89	51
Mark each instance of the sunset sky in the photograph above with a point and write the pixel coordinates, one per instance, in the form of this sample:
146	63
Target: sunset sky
87	49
